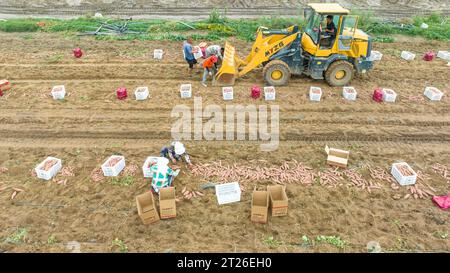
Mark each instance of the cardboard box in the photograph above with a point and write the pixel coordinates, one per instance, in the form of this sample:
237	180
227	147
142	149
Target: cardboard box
349	93
315	93
146	208
227	93
278	200
228	193
402	179
389	95
269	92
167	204
409	56
186	91
337	157
260	206
433	93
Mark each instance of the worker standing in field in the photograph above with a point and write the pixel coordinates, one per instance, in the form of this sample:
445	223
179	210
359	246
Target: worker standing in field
175	152
189	54
209	68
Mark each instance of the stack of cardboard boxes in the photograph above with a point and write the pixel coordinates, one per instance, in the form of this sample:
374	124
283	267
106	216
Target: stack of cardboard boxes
274	198
147	208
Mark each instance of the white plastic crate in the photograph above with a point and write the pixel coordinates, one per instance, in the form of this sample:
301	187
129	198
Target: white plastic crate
186	91
158	160
227	93
158	54
198	52
444	55
47	175
114	170
433	93
58	92
349	93
141	93
402	179
389	95
315	93
269	92
228	193
409	56
375	56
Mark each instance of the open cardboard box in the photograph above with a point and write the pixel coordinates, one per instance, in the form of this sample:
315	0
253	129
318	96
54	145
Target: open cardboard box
167	205
260	206
146	208
337	157
278	200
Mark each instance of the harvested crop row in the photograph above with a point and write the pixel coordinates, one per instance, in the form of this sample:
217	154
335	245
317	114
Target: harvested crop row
288	172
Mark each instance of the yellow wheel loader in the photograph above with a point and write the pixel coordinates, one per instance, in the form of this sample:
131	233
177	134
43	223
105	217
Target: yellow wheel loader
310	51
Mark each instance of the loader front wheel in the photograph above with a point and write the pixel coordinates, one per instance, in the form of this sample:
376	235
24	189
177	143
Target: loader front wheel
339	73
276	73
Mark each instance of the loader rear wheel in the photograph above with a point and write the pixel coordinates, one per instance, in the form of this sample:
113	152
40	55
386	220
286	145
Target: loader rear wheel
339	73
276	73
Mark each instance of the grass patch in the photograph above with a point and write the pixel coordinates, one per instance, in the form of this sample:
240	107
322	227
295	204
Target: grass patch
19	25
52	240
54	59
218	27
84	98
119	243
272	242
123	181
18	236
441	234
332	240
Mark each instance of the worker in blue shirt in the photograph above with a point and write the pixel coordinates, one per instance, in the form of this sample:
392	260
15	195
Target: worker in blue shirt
188	54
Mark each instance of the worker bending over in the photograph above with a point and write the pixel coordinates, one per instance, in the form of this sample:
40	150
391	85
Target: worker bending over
175	152
209	68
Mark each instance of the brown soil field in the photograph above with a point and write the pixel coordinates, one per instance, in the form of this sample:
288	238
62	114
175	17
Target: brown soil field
91	124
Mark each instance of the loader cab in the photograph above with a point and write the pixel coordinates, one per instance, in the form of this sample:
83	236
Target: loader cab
317	41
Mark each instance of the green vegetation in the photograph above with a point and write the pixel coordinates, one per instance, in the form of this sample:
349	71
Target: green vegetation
332	240
52	240
438	26
218	27
119	243
441	235
271	242
18	236
19	25
55	58
123	181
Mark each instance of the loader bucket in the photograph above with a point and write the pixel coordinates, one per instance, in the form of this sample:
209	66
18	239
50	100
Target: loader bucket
228	70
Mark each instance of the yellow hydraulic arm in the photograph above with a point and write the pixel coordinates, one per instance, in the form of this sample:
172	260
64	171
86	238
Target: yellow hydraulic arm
262	50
